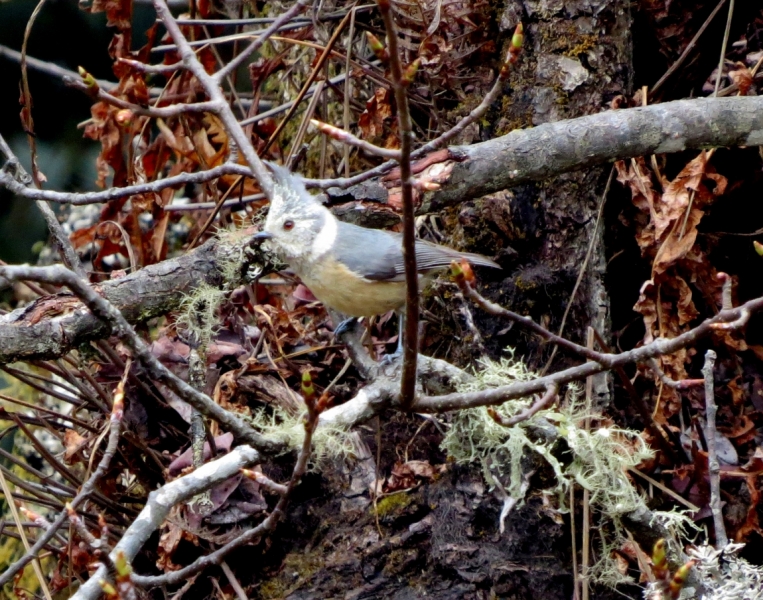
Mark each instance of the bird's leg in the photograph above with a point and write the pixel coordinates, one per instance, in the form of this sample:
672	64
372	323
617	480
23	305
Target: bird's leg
345	326
390	358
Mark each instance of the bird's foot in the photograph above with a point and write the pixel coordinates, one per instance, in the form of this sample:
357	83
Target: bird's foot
345	326
389	359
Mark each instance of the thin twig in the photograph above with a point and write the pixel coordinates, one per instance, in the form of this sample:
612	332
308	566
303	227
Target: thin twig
714	467
282	19
68	254
305	88
400	89
84	493
348	90
680	60
682	384
542	402
586	543
349	139
584	267
78	199
724	45
22	534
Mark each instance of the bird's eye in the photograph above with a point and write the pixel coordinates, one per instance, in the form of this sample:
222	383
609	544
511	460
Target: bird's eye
288	225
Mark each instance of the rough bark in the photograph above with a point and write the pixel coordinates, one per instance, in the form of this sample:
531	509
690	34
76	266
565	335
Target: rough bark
51	326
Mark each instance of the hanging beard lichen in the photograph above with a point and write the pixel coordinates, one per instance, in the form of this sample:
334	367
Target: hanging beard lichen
595	459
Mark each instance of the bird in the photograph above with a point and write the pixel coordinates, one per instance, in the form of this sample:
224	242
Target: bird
357	271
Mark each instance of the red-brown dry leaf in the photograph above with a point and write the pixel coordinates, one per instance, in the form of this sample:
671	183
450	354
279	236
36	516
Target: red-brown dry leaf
404	475
376	123
742	76
172	534
73	444
687	193
103	128
118	12
666	231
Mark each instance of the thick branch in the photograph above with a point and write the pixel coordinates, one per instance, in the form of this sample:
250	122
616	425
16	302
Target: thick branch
115	321
53	325
553	148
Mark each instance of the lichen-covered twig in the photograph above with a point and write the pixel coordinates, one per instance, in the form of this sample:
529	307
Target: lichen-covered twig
714	468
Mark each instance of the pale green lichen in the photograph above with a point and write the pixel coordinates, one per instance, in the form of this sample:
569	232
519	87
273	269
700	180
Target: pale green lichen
596	460
330	442
198	313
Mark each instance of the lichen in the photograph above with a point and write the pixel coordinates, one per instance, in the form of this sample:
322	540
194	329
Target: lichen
595	459
330	442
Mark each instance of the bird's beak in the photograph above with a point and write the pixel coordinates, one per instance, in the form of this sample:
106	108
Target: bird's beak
262	235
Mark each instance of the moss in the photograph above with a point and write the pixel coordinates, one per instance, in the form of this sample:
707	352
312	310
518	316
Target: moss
586	43
297	568
393	503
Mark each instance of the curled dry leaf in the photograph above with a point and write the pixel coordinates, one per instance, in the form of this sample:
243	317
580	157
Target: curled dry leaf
666	232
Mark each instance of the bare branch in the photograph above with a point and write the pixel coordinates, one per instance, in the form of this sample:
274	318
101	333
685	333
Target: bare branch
468	290
400	82
714	468
158	112
660	347
574	144
78	199
541	402
17	174
347	138
282	19
683	384
53	325
161	501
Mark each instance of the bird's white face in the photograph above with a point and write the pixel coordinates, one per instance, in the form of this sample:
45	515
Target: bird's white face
292	230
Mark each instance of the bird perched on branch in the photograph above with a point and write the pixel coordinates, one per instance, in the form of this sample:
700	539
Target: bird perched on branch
357	271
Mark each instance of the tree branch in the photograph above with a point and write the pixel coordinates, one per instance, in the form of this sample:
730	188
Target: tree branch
661	346
161	501
400	82
108	314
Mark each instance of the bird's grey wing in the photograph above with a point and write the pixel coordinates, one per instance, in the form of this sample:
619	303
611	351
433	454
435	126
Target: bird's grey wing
371	253
378	255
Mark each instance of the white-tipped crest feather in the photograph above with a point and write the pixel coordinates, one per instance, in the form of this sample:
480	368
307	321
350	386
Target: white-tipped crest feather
300	226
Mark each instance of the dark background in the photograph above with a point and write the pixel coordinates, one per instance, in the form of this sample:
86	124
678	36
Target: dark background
69	37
